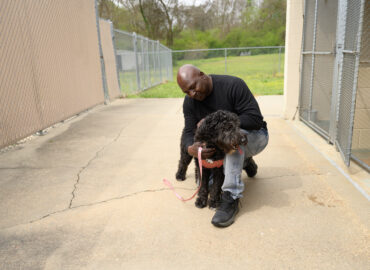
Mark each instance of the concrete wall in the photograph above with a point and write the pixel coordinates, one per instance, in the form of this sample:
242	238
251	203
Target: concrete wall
293	40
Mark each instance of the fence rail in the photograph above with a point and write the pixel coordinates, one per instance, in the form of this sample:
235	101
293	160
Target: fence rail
235	48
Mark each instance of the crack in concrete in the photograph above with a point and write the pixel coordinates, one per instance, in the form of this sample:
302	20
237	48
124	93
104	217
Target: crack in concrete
70	207
128	195
96	203
21	168
88	164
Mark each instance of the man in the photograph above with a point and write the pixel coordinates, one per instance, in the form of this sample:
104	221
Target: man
205	95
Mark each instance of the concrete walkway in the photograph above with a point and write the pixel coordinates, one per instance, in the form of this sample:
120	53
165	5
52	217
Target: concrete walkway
89	195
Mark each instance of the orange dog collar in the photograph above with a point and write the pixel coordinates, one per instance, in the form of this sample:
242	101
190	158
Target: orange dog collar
214	164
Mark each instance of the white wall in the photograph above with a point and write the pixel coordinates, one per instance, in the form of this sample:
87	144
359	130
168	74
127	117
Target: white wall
293	40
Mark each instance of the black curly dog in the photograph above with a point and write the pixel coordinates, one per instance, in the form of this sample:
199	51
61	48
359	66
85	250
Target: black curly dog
221	131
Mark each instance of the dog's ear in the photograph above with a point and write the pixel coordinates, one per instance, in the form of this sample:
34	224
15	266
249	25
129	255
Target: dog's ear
201	132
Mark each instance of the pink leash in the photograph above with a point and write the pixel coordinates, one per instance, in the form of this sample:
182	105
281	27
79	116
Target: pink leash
167	183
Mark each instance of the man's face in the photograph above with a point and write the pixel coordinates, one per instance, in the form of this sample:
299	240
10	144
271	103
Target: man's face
198	87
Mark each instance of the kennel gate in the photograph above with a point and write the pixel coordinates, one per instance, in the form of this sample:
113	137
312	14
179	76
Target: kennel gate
329	68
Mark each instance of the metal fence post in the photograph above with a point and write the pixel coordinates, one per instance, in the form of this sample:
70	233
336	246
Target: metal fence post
159	62
134	41
168	61
279	59
313	61
225	60
143	78
338	70
147	65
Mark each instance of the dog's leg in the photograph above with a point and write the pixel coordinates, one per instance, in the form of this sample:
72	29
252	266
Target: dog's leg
184	161
215	191
202	199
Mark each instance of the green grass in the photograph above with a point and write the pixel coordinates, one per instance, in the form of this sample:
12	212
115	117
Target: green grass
165	90
260	72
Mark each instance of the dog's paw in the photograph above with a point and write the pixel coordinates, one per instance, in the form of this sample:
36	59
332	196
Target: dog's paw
213	204
201	202
180	176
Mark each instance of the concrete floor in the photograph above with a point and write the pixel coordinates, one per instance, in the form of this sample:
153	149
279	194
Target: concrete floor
88	195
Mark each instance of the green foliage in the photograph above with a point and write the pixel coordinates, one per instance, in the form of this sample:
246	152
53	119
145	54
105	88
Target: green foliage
263	26
196	39
119	16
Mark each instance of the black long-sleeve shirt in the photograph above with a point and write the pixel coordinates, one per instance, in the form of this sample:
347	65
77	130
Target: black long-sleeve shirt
229	93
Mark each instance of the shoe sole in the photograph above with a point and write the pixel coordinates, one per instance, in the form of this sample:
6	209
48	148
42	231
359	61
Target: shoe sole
227	223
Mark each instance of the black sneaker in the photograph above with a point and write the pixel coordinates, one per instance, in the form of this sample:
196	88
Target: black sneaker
227	211
250	167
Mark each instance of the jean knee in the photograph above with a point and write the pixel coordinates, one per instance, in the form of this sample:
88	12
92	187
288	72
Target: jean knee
257	142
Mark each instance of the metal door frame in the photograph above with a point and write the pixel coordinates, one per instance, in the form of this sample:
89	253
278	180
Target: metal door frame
328	135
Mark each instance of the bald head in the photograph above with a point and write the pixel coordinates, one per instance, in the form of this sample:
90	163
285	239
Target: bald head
186	74
194	82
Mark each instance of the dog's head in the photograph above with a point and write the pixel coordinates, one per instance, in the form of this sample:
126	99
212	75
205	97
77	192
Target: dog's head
221	128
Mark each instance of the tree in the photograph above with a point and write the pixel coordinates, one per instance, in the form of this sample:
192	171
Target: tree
109	10
214	23
157	17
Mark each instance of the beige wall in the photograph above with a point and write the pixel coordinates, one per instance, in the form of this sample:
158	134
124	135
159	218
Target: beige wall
50	64
109	59
293	40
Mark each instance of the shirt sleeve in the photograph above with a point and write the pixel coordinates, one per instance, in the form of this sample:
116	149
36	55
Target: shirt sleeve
190	123
246	107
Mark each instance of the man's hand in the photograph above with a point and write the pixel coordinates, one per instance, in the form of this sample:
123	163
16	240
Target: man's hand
206	152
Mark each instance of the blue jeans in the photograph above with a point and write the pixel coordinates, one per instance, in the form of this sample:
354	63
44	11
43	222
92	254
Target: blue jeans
233	163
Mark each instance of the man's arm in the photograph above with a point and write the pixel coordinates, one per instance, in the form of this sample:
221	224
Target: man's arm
191	123
246	107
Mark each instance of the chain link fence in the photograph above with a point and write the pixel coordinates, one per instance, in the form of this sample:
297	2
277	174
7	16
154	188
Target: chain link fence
142	63
318	59
334	94
262	68
361	129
